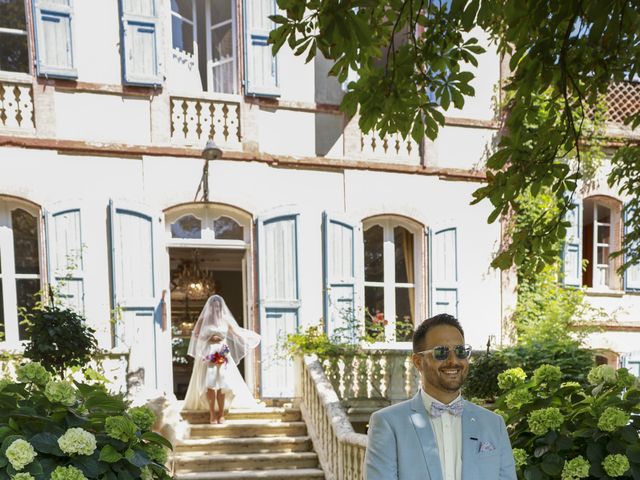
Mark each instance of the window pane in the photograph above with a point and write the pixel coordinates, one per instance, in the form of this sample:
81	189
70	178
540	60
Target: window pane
603	255
604	214
26	291
604	234
187	227
373	256
220	11
25	241
403	241
182	35
12	15
222	42
602	277
404	313
226	228
14	55
184	8
374	308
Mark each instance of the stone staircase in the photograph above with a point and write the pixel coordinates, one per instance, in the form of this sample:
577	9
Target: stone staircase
270	443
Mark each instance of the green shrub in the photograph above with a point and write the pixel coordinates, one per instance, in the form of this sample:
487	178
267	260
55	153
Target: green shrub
56	429
482	380
574	362
60	339
566	431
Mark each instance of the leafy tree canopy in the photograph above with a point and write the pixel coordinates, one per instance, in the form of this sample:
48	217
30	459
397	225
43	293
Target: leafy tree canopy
414	61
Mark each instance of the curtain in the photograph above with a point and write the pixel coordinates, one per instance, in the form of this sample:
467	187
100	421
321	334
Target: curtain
407	249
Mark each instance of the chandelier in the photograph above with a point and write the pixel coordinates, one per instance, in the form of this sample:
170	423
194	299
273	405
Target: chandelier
194	281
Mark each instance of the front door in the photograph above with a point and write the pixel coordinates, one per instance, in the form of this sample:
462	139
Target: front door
196	274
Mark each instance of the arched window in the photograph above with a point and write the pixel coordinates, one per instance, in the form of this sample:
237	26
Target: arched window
226	228
20	265
391	275
187	226
208	224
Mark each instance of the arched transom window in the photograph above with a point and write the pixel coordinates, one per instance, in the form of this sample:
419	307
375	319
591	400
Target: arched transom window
208	224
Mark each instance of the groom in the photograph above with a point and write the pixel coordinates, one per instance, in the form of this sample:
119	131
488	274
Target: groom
437	435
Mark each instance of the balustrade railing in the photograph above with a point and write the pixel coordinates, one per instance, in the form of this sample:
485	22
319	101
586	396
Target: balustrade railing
387	376
391	147
340	449
195	120
16	107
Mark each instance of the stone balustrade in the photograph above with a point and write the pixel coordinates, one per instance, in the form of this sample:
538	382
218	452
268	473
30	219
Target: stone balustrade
340	449
382	376
389	148
195	120
16	107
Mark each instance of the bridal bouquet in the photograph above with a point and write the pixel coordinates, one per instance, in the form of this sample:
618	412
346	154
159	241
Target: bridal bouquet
218	358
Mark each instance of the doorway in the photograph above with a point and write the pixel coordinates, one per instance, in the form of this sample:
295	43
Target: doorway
197	273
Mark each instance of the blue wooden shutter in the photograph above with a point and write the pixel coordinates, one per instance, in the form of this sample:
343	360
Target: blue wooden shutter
135	236
63	229
572	250
632	274
140	46
340	238
54	38
279	299
261	67
443	271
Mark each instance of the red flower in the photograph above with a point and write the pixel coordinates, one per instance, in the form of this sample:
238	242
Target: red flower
379	319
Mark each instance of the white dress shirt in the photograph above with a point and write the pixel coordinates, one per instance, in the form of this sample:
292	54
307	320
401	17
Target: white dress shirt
447	429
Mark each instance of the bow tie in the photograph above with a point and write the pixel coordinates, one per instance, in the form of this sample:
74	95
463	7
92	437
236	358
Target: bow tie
455	408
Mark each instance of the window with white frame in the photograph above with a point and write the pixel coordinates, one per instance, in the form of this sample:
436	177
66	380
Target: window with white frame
14	49
206	224
20	265
601	235
391	256
204	36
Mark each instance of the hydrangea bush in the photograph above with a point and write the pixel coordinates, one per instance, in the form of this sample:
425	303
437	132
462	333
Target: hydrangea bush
562	430
58	430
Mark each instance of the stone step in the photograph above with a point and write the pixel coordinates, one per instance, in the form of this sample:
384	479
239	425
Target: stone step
246	445
273	413
214	462
249	428
280	474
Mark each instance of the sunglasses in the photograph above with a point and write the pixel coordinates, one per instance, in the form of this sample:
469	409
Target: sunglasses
441	352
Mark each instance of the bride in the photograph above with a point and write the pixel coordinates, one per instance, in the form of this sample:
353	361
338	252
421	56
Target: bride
217	344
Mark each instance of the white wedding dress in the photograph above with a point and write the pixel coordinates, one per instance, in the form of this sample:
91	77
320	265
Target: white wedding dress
216	320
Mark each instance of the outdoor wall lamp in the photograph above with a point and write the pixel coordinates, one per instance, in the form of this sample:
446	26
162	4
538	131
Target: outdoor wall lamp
211	152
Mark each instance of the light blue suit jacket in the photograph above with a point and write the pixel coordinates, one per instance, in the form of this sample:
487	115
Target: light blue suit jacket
401	445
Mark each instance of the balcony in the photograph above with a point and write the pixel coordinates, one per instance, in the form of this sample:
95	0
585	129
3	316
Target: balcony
195	120
16	107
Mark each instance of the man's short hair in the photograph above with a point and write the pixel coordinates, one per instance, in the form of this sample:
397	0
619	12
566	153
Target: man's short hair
441	319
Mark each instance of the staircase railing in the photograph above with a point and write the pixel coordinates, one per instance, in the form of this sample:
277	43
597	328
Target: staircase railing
340	449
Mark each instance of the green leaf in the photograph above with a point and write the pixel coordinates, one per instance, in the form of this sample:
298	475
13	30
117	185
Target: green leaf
157	438
533	473
91	466
109	454
137	458
633	453
46	442
469	15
